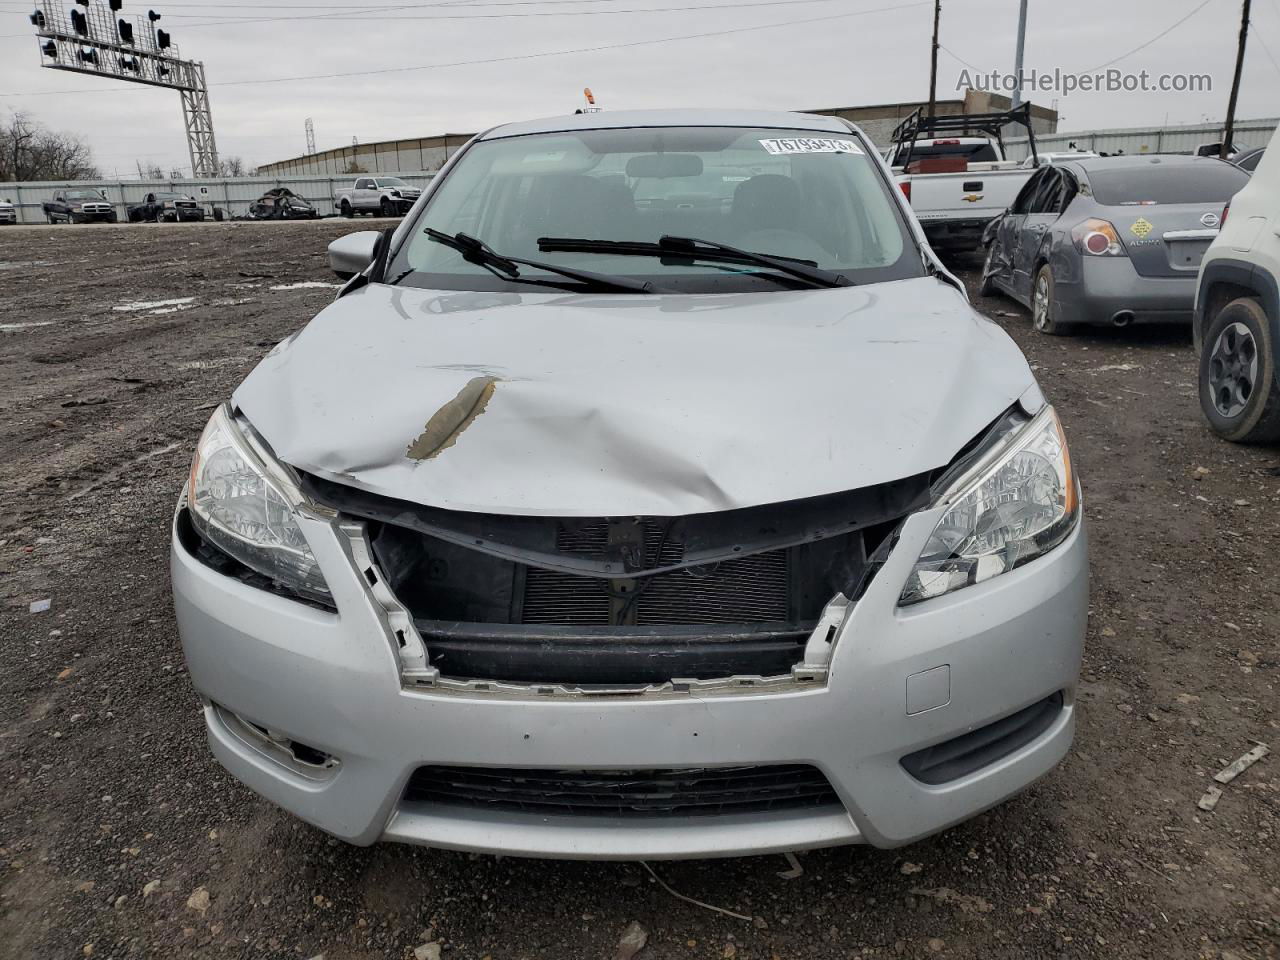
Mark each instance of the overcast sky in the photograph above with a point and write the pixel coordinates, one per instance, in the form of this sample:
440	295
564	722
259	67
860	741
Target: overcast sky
879	55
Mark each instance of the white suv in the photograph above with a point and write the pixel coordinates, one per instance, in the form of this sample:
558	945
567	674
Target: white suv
1237	318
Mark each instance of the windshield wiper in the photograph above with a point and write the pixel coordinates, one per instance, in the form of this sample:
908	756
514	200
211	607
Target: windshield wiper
692	248
478	252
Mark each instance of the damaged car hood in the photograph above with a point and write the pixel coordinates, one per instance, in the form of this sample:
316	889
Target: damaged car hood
556	404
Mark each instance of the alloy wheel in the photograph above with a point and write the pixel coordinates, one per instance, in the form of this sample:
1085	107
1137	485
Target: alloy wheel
1040	303
1233	369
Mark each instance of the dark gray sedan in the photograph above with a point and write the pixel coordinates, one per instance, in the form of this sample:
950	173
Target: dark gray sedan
1109	240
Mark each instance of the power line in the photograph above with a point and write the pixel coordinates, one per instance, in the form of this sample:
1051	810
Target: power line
1267	50
518	57
503	16
747	4
959	59
1142	46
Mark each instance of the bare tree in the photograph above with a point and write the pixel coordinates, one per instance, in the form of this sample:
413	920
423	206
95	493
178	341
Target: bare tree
232	167
151	171
29	151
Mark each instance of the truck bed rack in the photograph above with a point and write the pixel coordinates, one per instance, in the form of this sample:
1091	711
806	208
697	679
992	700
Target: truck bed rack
918	126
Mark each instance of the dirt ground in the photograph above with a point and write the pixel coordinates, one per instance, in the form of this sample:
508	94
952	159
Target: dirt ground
113	813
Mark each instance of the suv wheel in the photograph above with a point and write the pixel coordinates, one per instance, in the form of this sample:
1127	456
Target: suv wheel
1042	305
1238	391
346	209
385	208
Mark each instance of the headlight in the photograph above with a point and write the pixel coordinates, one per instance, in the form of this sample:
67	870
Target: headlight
1012	510
238	507
395	193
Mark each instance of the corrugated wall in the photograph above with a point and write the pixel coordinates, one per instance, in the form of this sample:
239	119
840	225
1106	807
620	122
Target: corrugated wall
231	194
1139	140
390	156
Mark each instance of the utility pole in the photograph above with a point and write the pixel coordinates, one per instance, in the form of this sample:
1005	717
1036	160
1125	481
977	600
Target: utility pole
1235	84
311	137
1017	57
933	67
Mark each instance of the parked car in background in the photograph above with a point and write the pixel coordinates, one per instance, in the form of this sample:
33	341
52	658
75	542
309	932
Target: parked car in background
79	206
1250	159
8	212
1237	316
1047	159
165	205
1109	239
1214	149
281	203
385	196
447	571
957	183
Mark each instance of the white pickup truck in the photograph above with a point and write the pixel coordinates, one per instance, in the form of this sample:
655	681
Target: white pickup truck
380	196
958	183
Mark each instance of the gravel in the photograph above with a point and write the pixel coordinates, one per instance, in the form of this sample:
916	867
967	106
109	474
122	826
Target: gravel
121	837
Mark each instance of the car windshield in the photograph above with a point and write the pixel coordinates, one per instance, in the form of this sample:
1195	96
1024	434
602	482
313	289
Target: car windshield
1210	181
391	182
83	195
169	196
786	193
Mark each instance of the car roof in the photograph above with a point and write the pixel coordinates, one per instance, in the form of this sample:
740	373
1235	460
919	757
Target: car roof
615	119
1105	164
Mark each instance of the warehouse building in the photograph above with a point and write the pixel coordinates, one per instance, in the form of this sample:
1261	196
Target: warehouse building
429	153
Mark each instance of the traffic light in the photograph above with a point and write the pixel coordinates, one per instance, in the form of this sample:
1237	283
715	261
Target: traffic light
129	63
162	70
162	39
115	5
50	49
88	55
125	29
79	24
152	16
37	19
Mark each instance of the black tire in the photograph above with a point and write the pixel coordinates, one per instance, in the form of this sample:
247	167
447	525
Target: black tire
1238	391
1042	305
385	208
986	288
346	210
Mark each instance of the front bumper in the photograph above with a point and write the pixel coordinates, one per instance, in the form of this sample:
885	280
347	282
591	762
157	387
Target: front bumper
92	216
332	681
1107	286
184	216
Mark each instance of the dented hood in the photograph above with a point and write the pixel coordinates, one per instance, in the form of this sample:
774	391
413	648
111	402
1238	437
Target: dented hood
617	405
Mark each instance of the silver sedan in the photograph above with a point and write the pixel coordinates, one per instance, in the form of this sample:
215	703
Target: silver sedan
1109	240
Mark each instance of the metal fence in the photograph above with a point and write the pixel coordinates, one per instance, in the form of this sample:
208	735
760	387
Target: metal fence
230	194
1139	140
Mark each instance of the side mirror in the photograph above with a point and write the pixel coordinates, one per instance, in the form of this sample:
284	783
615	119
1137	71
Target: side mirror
351	254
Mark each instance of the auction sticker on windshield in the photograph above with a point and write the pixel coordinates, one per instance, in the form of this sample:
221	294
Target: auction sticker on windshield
810	145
